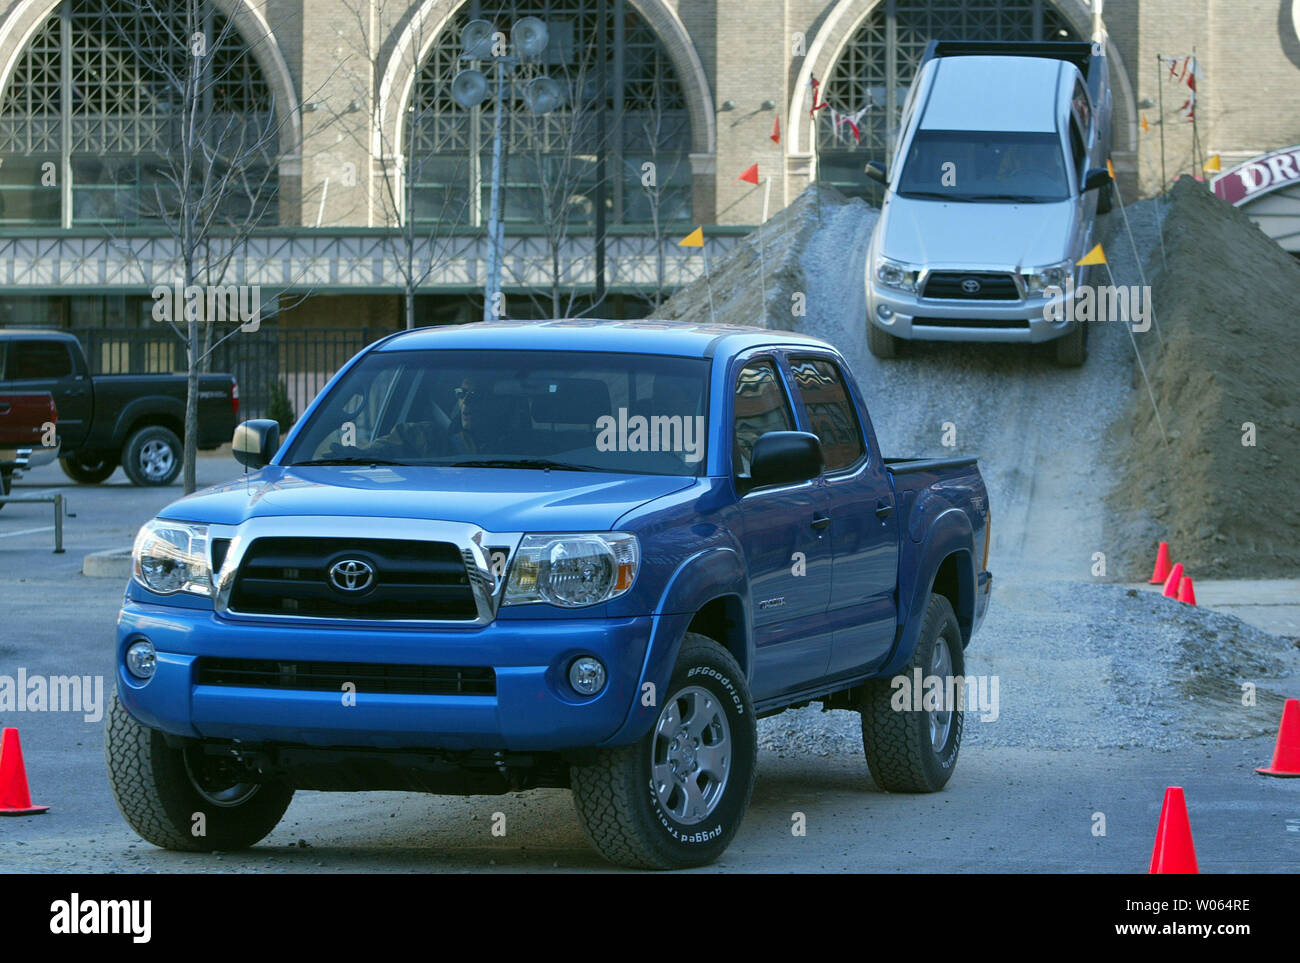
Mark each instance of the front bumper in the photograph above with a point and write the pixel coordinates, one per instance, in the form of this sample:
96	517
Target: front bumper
533	707
915	318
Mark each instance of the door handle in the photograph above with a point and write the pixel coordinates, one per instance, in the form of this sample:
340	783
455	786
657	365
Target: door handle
820	522
883	508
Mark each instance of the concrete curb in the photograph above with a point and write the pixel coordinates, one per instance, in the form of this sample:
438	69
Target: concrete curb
113	563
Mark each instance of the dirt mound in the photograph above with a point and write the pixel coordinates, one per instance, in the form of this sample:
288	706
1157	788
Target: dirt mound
755	281
1228	305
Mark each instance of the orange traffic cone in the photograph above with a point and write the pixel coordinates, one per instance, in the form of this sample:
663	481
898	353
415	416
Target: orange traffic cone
15	800
1162	565
1186	591
1171	583
1286	757
1174	852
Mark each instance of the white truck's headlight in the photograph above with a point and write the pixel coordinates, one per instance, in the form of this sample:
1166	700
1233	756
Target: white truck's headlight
896	274
170	557
1054	275
572	570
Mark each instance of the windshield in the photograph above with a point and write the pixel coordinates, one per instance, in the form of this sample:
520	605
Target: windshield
580	411
968	165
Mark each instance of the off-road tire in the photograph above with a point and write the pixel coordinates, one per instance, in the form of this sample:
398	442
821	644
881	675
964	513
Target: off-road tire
881	342
1106	198
614	793
897	743
1072	350
154	791
89	468
134	451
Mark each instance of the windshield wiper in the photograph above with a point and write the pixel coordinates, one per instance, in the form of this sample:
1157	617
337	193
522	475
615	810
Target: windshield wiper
544	463
937	195
345	461
1018	198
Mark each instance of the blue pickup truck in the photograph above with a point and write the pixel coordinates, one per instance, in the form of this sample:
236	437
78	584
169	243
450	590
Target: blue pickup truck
576	554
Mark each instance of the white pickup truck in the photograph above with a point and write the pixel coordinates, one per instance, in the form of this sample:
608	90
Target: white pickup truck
999	171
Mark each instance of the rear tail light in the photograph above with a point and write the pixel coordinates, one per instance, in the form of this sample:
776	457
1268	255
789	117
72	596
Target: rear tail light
234	397
988	536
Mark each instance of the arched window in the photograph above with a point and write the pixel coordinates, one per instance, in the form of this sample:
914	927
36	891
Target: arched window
90	106
870	80
552	160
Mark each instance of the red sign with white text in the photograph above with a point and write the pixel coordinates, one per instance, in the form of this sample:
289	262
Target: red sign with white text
1257	176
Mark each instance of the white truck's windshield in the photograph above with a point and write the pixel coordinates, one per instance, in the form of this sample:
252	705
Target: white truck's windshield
966	165
585	411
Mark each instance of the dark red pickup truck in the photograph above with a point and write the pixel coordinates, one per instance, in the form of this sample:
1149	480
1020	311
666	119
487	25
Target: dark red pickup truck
26	421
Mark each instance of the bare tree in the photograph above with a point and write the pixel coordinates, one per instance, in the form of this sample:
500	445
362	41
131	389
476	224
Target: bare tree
424	216
215	170
659	176
559	151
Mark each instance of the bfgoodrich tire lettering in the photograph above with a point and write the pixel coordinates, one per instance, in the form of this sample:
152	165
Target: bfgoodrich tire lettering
155	789
634	818
898	745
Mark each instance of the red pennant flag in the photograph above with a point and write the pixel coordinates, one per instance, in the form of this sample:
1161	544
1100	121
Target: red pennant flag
816	85
776	129
750	175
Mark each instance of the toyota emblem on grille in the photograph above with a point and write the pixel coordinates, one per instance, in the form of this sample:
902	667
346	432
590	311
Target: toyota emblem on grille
970	286
352	575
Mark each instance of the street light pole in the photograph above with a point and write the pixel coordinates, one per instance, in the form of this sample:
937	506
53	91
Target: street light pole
601	68
470	88
492	290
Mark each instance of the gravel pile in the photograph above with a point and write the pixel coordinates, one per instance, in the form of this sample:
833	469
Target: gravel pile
1228	306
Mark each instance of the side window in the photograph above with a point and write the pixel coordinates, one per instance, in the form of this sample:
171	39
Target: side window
1078	150
831	412
1081	110
760	407
30	360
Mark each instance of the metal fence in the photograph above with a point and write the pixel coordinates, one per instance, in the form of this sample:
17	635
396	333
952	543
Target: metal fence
302	359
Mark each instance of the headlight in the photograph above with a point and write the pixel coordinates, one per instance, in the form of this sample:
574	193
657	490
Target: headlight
1054	275
572	570
896	274
171	557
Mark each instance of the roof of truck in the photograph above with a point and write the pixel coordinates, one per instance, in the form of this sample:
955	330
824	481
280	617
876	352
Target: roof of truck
678	338
995	94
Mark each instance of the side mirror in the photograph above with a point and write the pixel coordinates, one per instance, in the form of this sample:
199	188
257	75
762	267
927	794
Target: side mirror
876	171
1095	178
785	458
256	442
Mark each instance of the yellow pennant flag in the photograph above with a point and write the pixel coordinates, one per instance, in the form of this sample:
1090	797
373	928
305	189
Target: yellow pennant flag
694	239
1110	168
1145	126
1095	256
1214	164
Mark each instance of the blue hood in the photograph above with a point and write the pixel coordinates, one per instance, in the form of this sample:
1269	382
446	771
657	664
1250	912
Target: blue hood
498	499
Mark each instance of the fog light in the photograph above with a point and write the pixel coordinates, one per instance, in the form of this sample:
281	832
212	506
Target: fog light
587	675
884	312
141	659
